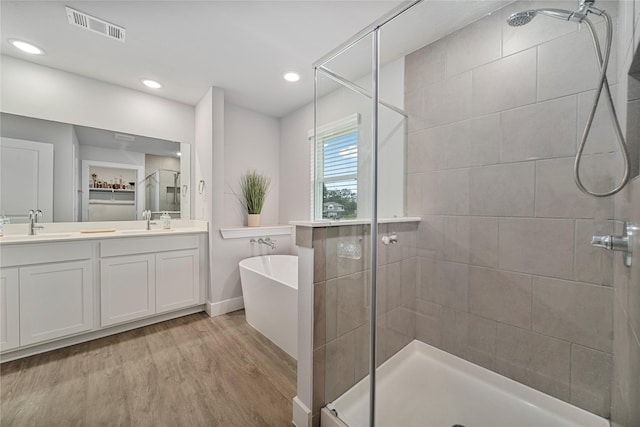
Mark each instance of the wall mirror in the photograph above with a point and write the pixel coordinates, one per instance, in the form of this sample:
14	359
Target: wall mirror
76	173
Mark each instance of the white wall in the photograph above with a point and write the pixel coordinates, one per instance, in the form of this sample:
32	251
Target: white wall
226	144
75	158
204	203
295	149
251	141
88	152
295	154
62	136
202	168
33	90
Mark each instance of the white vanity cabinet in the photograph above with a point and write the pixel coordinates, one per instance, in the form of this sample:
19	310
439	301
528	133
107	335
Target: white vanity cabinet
56	300
177	280
47	292
9	309
143	277
81	287
127	288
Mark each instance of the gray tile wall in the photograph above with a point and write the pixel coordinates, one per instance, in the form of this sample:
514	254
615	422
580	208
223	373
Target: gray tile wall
625	393
342	303
626	302
506	275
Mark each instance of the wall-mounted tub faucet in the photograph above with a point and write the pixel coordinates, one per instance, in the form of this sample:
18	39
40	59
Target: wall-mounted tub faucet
34	217
265	241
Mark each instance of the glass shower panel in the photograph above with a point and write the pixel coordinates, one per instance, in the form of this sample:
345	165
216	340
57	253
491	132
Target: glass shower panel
342	149
163	192
342	171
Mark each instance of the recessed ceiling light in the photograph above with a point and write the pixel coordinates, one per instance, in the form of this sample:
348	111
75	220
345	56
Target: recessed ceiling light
178	154
151	83
27	47
291	76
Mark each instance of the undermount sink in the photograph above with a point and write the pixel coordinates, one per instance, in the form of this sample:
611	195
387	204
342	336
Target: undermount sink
19	237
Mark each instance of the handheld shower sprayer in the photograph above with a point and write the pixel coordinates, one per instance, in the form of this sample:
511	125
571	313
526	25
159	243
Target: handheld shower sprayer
519	19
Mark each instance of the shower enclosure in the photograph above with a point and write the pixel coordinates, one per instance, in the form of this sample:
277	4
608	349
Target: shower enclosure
470	237
162	190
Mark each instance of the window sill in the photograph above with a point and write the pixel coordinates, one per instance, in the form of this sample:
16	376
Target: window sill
248	232
336	223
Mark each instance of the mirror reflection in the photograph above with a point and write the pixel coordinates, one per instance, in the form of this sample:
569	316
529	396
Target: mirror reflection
77	173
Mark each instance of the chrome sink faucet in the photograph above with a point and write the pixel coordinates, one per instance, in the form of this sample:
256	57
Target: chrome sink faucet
147	216
34	217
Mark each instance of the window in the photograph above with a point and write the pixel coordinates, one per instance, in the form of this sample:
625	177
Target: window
335	185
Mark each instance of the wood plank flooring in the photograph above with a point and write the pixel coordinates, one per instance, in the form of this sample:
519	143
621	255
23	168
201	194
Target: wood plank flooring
191	371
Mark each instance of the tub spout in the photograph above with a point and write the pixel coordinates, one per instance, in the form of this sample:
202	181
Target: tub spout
265	241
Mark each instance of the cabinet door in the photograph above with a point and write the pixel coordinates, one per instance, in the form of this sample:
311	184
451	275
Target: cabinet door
55	300
127	288
9	309
177	280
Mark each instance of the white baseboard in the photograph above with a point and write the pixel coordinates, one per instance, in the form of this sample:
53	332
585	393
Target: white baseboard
223	307
301	414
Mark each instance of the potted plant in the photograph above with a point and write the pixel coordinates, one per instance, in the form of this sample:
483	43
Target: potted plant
254	187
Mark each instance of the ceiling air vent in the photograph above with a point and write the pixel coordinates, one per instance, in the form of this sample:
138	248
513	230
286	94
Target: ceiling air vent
96	25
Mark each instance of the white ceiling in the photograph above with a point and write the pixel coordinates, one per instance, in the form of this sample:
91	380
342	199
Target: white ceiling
243	47
125	142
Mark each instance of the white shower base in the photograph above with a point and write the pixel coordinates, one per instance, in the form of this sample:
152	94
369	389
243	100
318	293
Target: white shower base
427	387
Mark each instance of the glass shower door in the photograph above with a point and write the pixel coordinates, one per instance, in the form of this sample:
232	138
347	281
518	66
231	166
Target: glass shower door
341	150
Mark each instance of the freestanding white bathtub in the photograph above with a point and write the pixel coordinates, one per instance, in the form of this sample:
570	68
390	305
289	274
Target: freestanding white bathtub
270	291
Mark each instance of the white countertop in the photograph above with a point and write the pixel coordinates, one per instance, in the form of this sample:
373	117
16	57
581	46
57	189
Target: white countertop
63	232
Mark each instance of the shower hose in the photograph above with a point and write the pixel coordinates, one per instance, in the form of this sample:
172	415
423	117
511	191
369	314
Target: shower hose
603	63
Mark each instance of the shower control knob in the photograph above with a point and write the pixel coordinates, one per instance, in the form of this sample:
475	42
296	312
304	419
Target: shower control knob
610	242
390	239
618	243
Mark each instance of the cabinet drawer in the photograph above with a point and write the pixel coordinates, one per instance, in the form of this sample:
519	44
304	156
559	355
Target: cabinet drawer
138	245
41	253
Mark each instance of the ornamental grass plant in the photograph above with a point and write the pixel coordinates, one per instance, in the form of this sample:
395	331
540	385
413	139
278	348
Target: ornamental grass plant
254	187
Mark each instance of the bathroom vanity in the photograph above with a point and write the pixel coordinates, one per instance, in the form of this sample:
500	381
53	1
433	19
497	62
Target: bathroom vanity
59	289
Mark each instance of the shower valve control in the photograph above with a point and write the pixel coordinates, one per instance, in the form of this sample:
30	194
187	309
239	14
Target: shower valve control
622	243
614	243
390	239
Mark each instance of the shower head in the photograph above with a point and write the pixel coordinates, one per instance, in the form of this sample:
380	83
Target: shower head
519	19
